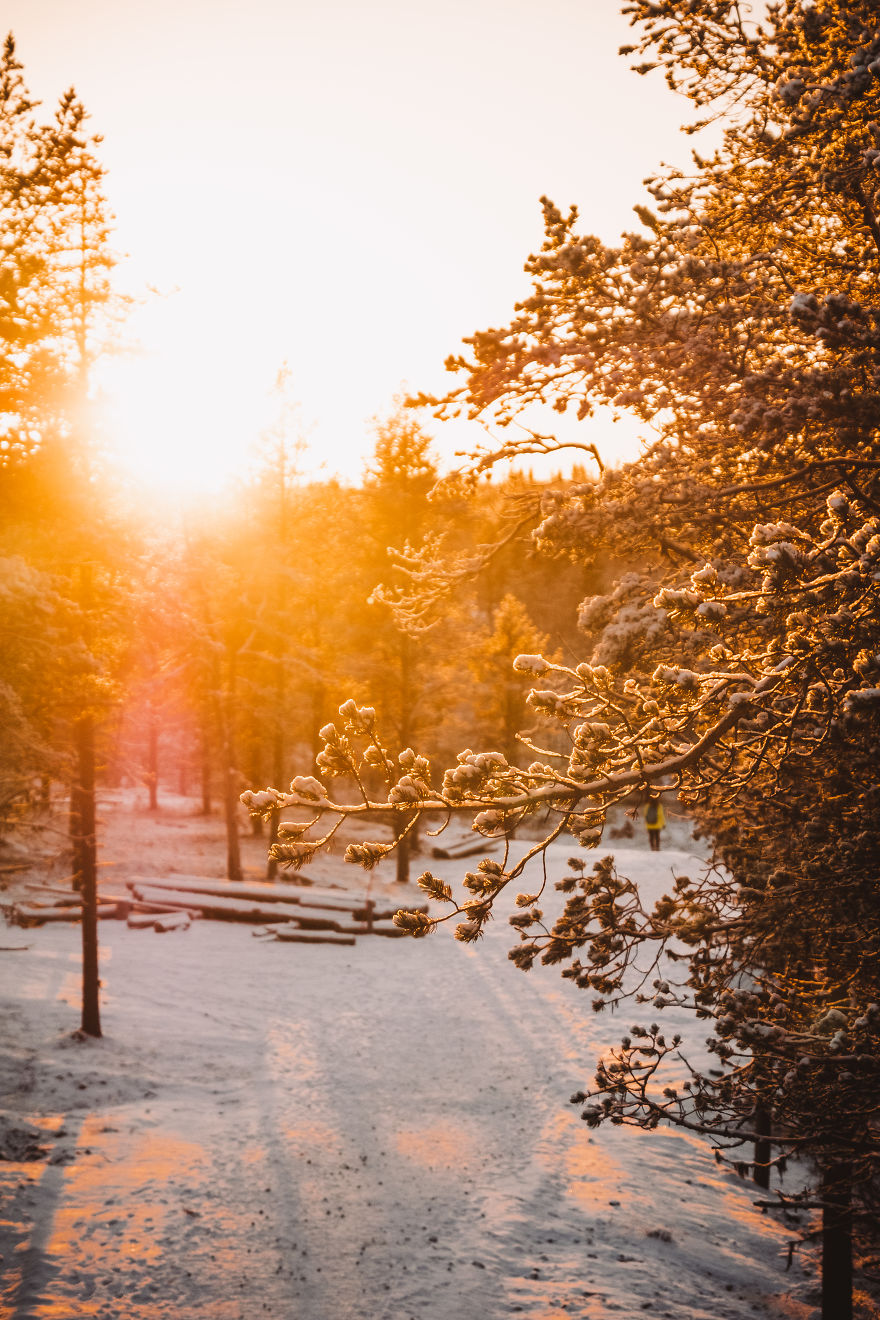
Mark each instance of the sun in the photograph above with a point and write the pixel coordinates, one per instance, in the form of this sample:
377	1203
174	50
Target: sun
170	429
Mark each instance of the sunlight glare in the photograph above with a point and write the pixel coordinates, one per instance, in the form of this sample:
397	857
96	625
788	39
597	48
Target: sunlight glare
169	430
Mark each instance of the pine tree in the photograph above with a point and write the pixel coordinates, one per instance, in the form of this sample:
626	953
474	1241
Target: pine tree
504	713
29	370
396	674
55	296
739	323
41	663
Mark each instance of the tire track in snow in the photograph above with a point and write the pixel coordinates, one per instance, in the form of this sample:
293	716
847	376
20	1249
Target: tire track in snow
396	1158
595	1205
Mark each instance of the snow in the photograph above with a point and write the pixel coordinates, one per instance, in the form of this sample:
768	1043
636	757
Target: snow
530	664
328	1132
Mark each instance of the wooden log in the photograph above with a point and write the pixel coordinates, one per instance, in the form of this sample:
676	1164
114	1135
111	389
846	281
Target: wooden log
27	914
220	909
144	920
315	923
160	921
385	928
147	920
343	902
232	902
171	921
291	935
157	909
350	897
359	904
123	904
467	848
349	903
387	914
306	923
255	891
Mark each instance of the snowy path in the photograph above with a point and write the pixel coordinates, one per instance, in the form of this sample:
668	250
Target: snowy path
326	1133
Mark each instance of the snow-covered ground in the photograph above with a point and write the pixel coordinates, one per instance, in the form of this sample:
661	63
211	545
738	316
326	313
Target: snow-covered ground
378	1132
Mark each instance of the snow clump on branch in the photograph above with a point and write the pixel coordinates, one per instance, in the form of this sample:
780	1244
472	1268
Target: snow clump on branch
531	664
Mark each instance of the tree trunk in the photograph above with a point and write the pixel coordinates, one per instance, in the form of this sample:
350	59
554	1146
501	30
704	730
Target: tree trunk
763	1150
230	811
271	864
75	830
402	855
317	698
153	762
231	782
277	761
83	836
86	857
205	767
837	1242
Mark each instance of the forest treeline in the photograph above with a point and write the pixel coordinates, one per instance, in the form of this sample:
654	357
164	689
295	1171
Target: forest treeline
211	654
207	654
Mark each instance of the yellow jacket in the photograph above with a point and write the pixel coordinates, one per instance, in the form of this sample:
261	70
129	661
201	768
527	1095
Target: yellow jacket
659	823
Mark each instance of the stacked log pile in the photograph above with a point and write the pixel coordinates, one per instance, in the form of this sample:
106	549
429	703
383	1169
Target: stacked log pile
50	904
301	914
35	914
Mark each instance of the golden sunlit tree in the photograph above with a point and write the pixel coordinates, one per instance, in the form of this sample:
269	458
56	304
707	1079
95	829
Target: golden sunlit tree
29	367
503	710
41	663
56	303
407	667
739	322
280	511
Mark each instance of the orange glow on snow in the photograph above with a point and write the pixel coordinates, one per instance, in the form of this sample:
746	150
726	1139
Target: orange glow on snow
595	1176
440	1146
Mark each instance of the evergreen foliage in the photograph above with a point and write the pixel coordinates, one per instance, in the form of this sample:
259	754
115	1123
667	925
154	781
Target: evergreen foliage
737	666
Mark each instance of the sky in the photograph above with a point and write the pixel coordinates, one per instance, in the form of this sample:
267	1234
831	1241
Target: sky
343	188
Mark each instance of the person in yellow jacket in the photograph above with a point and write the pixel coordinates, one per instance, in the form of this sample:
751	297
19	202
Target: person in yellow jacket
655	821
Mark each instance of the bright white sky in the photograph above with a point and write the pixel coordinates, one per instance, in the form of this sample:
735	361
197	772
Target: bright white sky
348	187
